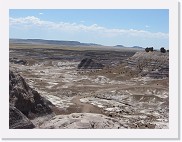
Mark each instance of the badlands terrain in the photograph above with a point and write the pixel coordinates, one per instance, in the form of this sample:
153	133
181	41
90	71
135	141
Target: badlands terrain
70	87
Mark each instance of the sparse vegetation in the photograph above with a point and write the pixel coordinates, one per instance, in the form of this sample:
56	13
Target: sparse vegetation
162	50
149	49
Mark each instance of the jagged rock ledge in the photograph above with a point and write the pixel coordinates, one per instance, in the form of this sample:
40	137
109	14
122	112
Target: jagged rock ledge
25	103
18	120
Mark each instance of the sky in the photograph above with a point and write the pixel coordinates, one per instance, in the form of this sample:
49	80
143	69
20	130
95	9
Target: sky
128	27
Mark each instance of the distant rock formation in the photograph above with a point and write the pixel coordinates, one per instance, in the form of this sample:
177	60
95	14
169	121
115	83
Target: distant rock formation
137	47
51	42
119	46
18	120
88	63
154	65
25	99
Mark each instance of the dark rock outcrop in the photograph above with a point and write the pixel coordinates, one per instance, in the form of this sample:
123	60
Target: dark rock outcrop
18	61
88	63
18	120
24	98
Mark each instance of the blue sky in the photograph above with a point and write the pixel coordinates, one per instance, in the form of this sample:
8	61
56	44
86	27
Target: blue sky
107	27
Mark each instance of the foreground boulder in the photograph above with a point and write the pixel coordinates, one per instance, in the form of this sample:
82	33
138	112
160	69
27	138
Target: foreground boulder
88	63
25	99
82	121
18	120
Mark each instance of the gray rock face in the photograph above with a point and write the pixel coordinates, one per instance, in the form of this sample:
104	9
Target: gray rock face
162	73
152	64
82	121
18	120
89	64
24	98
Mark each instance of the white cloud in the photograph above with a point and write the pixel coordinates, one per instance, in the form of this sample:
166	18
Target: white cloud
32	21
147	26
41	13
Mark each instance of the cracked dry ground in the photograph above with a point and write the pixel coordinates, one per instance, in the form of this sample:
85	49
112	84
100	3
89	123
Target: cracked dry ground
131	102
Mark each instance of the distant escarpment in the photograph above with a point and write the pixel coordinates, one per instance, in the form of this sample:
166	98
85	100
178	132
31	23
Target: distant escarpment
51	42
88	63
24	102
119	46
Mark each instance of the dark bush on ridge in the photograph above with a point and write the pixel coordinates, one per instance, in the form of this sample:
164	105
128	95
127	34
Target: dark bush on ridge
162	50
149	49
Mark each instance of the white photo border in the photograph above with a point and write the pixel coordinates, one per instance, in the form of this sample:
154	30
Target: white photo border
171	133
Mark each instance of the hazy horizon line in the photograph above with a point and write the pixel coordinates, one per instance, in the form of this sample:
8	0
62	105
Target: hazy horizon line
121	45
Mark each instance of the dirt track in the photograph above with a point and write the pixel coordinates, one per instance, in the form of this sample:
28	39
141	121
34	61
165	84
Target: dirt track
85	107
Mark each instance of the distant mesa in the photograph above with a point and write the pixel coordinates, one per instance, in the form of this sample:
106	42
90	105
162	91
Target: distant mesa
88	63
51	42
119	46
137	47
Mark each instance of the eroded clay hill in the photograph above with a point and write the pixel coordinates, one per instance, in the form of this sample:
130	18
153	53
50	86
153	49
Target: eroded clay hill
88	63
93	89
